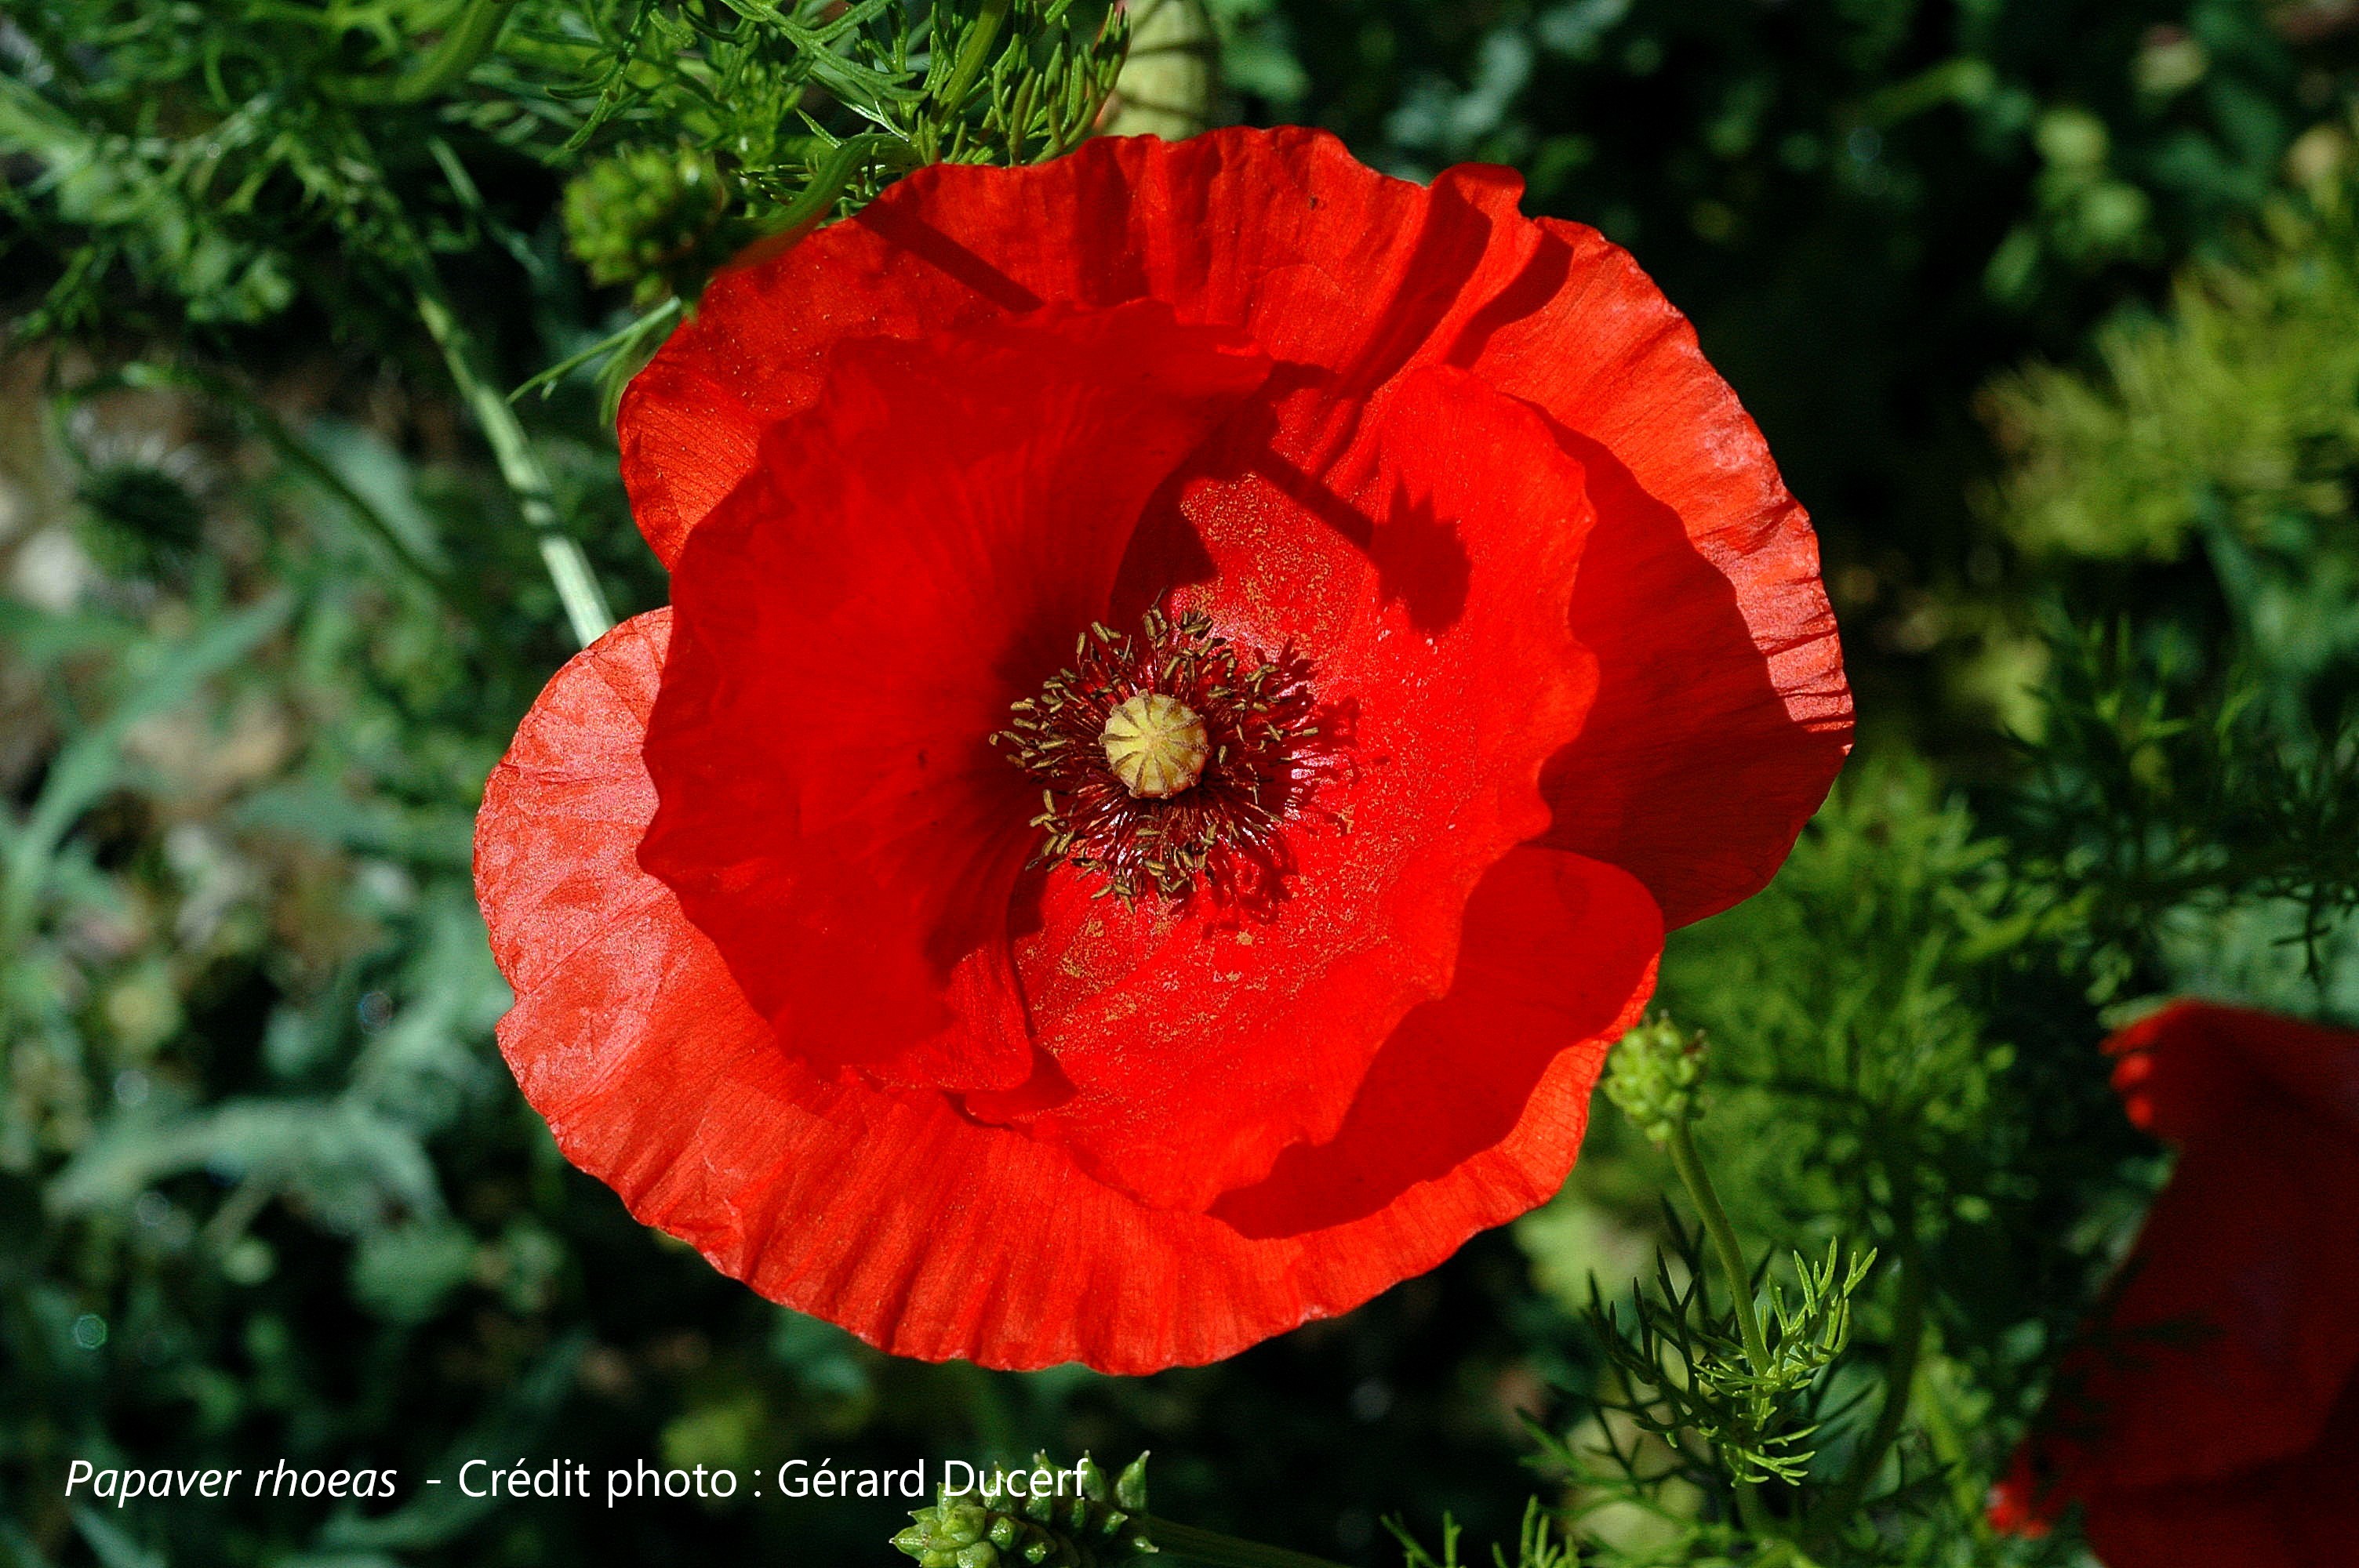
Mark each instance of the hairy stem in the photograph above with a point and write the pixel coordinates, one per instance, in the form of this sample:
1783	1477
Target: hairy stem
1750	1508
1690	1166
577	586
1212	1549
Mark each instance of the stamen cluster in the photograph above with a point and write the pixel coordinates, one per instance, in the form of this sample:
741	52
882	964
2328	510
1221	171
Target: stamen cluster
1257	715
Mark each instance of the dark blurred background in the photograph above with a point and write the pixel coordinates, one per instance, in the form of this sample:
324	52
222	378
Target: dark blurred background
2046	307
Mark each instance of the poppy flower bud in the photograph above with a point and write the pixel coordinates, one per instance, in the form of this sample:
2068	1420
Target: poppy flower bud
649	217
943	1532
1044	1530
1654	1073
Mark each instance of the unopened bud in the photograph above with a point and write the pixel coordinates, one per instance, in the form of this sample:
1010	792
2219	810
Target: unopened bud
1051	1528
1654	1073
649	217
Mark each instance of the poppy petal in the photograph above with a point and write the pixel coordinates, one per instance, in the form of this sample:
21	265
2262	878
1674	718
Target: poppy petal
2233	1334
929	1235
851	627
2198	1418
1195	1045
1723	713
1471	1066
755	353
2191	1067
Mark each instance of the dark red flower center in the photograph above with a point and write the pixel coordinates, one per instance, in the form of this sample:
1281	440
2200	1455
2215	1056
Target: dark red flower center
1169	760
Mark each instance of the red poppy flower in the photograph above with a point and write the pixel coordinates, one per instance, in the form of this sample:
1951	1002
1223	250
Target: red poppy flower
1198	675
2212	1420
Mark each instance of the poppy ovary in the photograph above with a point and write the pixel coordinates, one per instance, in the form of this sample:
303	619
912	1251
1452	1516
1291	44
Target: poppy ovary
1169	758
1156	745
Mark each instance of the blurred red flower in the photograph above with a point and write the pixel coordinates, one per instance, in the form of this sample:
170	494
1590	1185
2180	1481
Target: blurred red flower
1198	675
2210	1419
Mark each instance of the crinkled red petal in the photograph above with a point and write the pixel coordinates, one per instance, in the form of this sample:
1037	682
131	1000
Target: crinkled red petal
1193	1045
2229	1346
929	1235
1723	712
2233	1330
909	555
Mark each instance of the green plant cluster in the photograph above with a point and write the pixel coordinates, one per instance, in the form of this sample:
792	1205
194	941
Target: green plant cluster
210	159
229	164
1044	1530
1936	1094
2046	305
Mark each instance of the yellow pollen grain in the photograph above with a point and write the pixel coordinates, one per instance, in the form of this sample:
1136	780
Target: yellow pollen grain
1155	744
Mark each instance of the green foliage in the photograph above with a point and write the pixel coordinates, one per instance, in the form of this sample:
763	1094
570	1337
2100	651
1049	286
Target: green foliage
1540	1544
2233	417
2191	773
1913	1098
1889	1052
1870	209
2165	807
1002	81
227	169
1692	1384
639	213
199	164
1936	1090
265	1189
244	982
209	162
771	119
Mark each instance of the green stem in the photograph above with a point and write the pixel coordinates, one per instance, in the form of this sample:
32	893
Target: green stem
1690	1166
818	198
577	586
468	39
1215	1551
978	1391
1932	1407
1750	1507
1752	1512
974	53
1785	1555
